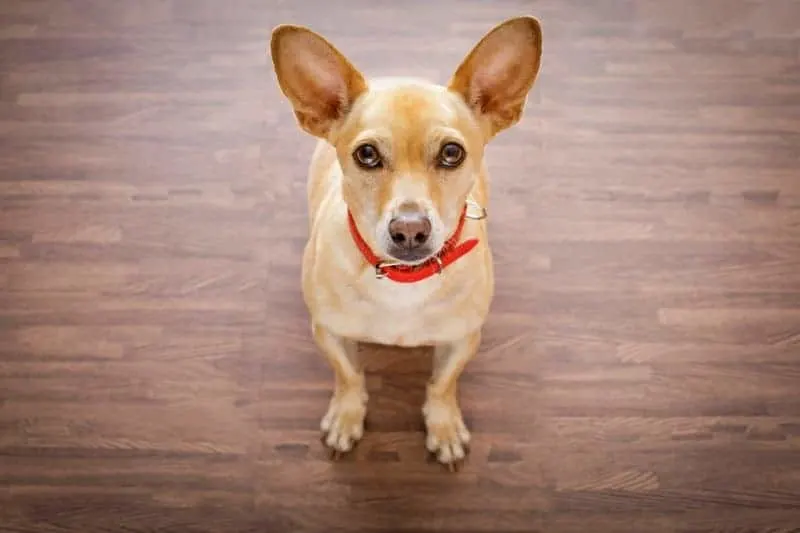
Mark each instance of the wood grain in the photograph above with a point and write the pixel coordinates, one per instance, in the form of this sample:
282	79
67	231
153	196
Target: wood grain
639	371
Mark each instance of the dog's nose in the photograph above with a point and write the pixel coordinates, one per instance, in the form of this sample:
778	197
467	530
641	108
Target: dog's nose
410	230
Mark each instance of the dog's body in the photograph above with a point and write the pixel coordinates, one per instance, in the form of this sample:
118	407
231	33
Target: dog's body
397	163
350	301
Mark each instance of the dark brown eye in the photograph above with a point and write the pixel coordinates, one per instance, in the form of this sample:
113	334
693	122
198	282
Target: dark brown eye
367	156
451	155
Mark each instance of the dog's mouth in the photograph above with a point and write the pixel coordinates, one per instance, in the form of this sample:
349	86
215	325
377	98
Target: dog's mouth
410	256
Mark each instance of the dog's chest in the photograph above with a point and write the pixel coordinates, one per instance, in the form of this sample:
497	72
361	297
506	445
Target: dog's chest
400	314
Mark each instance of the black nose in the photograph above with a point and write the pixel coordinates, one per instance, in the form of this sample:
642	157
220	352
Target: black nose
410	230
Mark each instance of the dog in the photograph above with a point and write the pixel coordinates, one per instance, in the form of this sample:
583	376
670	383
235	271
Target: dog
398	250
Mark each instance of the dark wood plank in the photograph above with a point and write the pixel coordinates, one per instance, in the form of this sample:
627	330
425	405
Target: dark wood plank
639	370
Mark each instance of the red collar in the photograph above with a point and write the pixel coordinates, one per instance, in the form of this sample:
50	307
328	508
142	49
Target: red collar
449	253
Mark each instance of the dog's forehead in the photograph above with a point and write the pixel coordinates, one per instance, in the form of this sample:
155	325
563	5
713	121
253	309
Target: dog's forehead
407	104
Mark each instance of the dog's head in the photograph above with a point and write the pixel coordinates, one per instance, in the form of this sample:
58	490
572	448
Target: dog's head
409	150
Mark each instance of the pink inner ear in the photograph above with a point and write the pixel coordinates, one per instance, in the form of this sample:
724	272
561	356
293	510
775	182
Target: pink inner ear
333	87
322	80
492	79
493	69
500	61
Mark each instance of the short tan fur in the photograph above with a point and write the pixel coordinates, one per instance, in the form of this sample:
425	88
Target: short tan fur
402	156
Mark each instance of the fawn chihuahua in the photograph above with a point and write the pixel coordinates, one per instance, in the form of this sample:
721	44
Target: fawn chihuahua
397	252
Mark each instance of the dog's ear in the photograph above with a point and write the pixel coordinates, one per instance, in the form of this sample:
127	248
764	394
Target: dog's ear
318	80
498	73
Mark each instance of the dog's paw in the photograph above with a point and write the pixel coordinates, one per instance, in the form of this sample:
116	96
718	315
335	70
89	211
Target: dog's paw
448	436
343	424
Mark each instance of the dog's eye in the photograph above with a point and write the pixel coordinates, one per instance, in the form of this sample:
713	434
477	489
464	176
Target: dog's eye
451	155
367	156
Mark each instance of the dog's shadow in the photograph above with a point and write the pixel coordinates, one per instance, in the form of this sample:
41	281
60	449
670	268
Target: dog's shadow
396	383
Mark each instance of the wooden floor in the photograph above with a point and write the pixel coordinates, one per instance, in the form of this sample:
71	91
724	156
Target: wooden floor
640	371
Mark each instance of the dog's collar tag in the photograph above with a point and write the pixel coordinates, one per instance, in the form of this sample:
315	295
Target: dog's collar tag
401	273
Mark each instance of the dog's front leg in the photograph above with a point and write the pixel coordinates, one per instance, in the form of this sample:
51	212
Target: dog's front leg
447	434
343	424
